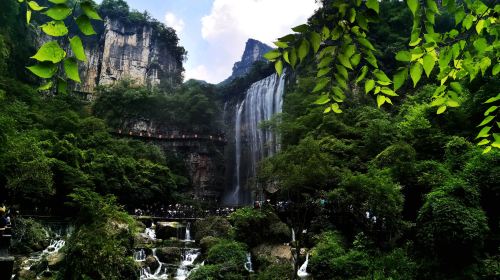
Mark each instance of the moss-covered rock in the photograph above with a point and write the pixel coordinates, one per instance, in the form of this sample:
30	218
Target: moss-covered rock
169	254
214	226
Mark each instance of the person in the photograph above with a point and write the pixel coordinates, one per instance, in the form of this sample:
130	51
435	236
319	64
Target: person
3	220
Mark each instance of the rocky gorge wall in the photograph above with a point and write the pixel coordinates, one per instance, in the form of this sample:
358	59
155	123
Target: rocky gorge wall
125	51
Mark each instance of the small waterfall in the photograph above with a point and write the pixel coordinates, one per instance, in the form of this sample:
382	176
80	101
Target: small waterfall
262	101
150	233
187	261
248	264
140	256
302	272
53	248
293	235
159	274
188	233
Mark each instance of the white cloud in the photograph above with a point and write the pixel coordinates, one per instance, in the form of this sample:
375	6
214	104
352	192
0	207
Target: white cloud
199	72
173	21
230	23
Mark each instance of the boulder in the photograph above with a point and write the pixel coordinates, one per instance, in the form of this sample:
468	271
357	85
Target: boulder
167	230
169	254
273	254
152	263
55	260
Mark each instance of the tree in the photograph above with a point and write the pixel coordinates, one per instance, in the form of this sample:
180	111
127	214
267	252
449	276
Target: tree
336	38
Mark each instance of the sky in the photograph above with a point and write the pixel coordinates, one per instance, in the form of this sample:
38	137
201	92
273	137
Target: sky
214	32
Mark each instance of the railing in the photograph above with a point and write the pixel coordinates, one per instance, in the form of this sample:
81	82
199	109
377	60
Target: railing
171	136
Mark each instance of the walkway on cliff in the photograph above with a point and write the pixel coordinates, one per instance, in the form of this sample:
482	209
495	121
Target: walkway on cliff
173	136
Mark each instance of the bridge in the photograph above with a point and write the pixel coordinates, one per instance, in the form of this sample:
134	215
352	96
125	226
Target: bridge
172	136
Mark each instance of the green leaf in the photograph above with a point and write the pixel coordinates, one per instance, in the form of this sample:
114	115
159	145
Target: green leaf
272	55
85	26
484	64
484	132
77	48
365	43
62	86
322	100
486	121
483	142
441	109
496	69
413	5
388	91
480	26
71	69
493	99
355	59
55	28
342	71
381	76
58	1
301	28
279	67
303	49
429	62
490	110
336	108
416	73
468	21
487	150
44	70
293	57
459	15
280	44
58	12
323	71
380	100
362	75
28	16
400	78
452	103
321	84
369	85
44	87
373	4
403	56
344	61
35	7
456	87
89	10
352	15
315	39
327	110
50	51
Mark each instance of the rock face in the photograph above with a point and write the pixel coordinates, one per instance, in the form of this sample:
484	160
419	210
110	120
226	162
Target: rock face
128	52
254	51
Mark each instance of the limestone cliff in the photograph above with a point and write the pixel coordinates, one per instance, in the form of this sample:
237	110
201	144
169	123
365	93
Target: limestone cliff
124	51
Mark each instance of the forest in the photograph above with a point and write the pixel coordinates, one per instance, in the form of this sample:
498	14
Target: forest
388	164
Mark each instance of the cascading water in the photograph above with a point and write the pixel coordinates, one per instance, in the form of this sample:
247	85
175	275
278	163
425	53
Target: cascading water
188	233
188	258
159	274
262	101
293	235
248	263
53	248
302	272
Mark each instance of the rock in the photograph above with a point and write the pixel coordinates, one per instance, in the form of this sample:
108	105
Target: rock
207	242
169	254
26	275
277	254
152	263
254	51
55	260
167	230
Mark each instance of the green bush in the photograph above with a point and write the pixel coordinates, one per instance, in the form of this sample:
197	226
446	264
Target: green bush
227	252
102	244
28	236
257	226
214	226
277	272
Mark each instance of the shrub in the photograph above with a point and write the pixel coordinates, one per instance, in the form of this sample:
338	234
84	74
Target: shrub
212	226
228	253
277	272
28	236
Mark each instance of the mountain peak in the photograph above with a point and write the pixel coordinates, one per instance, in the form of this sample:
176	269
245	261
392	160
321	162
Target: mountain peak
254	51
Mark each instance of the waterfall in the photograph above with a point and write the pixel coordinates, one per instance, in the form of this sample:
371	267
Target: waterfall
188	233
159	274
37	257
293	235
262	101
187	261
140	256
302	273
248	263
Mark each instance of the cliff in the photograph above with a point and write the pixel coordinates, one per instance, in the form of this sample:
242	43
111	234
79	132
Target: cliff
129	51
254	51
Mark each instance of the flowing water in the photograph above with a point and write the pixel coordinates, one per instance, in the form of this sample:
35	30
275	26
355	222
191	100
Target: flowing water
248	263
302	273
262	101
